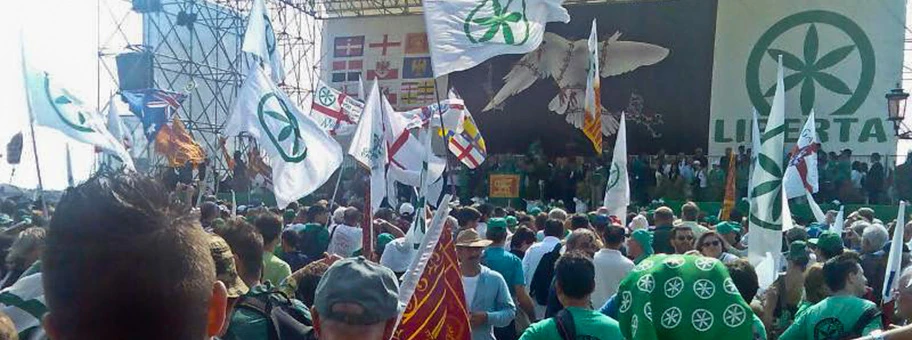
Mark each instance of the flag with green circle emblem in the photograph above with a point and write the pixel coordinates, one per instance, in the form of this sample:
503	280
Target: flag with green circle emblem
682	297
464	33
301	154
766	196
617	190
53	106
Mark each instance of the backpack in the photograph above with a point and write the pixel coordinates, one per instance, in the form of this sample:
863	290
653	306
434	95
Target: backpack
288	322
541	279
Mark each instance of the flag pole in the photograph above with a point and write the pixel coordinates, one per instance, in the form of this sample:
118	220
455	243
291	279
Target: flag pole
338	182
28	102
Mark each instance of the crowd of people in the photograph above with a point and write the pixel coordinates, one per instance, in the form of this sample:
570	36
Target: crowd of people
122	257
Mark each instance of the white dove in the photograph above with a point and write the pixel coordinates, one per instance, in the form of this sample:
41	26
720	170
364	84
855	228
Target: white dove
566	61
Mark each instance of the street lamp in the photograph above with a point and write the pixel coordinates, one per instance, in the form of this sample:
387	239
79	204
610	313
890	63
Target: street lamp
896	112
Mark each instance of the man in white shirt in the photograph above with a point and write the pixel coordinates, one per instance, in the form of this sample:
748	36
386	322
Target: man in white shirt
345	238
554	230
610	266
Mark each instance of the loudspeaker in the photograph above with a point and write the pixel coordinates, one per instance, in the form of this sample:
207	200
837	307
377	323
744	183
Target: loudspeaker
134	70
147	6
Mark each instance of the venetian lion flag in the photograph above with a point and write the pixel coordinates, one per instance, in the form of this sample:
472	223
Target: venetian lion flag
894	261
617	191
728	203
177	145
302	155
592	121
435	306
801	174
260	40
766	196
467	32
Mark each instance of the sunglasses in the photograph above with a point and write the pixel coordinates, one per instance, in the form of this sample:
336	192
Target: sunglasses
685	238
712	244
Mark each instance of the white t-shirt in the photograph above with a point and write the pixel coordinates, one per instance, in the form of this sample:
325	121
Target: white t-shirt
468	286
482	228
346	240
610	268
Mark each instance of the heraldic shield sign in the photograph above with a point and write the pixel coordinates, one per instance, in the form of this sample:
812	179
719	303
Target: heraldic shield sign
281	126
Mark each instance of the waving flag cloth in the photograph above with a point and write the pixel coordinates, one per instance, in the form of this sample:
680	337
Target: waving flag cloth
301	154
592	121
54	107
894	261
466	142
116	125
14	149
468	32
766	217
154	108
368	147
260	40
335	111
24	303
435	308
177	145
839	221
682	297
801	174
728	203
617	191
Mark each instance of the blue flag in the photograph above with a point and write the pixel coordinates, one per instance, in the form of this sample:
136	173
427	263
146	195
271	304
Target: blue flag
154	107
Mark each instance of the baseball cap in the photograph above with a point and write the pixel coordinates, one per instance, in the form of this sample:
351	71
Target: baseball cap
797	251
406	209
535	211
829	241
511	221
470	238
728	227
497	224
225	270
358	281
384	239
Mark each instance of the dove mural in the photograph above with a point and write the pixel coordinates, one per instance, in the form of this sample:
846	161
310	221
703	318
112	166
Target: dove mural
564	61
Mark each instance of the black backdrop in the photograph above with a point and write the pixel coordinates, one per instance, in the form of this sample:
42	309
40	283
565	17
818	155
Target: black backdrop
678	88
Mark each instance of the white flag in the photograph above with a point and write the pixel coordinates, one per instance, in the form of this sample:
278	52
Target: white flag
465	33
839	221
302	155
766	216
368	146
56	108
335	111
116	125
260	40
617	191
801	174
894	261
815	209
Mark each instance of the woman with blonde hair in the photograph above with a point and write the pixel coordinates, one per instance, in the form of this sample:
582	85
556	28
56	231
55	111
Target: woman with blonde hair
24	253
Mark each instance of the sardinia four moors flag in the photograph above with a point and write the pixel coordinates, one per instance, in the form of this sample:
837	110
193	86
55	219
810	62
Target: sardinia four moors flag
464	33
766	220
260	40
302	155
56	108
592	122
617	191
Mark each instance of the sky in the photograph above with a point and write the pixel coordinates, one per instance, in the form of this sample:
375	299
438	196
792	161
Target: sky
61	37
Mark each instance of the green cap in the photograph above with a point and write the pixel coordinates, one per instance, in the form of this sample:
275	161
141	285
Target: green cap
797	251
728	227
383	239
535	211
497	223
511	221
358	281
711	219
644	237
829	241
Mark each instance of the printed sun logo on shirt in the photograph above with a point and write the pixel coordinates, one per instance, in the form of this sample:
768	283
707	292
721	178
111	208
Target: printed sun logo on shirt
829	328
281	128
491	21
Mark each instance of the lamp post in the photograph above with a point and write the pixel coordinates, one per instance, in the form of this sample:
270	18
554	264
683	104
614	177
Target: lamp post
896	112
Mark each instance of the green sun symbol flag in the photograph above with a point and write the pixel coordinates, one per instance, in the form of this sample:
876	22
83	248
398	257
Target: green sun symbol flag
498	22
810	70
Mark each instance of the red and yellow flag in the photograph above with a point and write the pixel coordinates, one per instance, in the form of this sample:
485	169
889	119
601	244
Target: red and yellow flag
437	309
592	121
728	203
175	143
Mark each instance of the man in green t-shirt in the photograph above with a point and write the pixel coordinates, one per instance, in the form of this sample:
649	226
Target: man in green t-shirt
574	281
844	314
274	269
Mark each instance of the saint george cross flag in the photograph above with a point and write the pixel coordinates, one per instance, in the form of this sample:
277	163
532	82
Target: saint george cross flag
801	174
894	261
302	155
617	191
260	40
54	107
766	215
592	121
468	32
335	111
437	309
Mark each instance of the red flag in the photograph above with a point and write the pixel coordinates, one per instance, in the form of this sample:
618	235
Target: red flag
728	203
437	309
